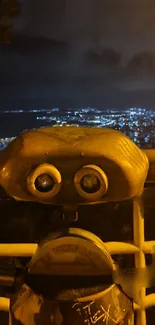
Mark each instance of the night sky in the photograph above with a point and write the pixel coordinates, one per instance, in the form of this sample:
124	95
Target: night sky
98	53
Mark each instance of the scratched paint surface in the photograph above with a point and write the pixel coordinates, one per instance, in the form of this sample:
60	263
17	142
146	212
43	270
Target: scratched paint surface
113	308
110	309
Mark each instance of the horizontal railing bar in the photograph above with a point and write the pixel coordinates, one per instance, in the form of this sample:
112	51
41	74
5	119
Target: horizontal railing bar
149	300
121	248
150	153
126	248
4	304
25	250
148	246
28	250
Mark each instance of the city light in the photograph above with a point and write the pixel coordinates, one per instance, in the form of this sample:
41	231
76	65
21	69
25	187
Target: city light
137	123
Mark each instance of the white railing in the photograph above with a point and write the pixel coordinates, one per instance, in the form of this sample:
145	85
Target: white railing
139	249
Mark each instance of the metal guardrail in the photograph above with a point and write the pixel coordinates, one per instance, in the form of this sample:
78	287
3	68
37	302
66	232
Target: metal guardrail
139	249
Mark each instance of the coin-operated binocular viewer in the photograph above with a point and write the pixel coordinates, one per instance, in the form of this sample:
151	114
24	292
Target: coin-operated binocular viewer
72	276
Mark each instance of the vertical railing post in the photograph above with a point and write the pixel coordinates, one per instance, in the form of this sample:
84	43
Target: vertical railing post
139	239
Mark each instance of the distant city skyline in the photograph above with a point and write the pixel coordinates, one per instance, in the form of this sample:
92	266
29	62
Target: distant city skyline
137	123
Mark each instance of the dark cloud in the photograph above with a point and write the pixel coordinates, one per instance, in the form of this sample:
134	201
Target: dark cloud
144	61
124	25
103	57
41	73
71	53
